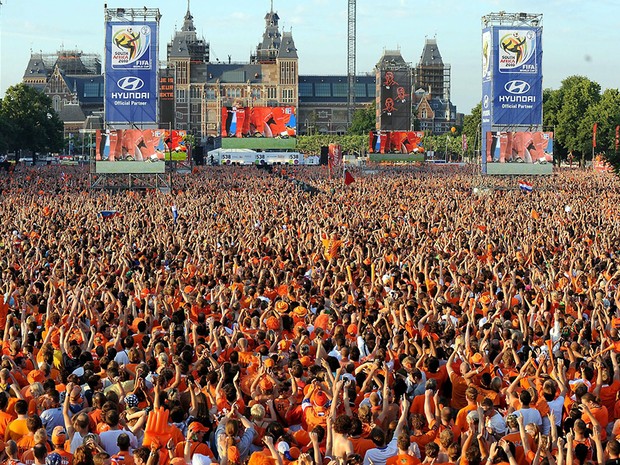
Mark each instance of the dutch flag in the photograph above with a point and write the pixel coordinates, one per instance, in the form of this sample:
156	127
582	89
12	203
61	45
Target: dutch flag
525	186
109	214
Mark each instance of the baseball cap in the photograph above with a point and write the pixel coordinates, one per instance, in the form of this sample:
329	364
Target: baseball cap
197	427
199	459
320	399
59	435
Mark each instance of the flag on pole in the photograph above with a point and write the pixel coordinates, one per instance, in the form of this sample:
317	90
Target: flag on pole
617	138
109	214
464	142
175	214
526	186
594	128
348	178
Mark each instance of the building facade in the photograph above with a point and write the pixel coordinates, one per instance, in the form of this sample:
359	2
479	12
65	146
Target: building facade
203	87
323	102
72	80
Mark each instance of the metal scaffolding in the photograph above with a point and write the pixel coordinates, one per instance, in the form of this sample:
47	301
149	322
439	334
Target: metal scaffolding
351	58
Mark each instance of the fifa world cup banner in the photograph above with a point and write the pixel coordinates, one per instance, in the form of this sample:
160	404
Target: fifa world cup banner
519	147
131	72
515	71
270	122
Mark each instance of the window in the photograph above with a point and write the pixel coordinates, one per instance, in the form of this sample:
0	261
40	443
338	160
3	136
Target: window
424	114
360	89
272	93
340	89
181	95
305	89
181	69
288	96
56	103
195	92
195	108
372	90
255	93
210	93
322	89
91	89
232	92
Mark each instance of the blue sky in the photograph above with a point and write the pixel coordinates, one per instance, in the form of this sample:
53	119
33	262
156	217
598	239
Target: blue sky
580	37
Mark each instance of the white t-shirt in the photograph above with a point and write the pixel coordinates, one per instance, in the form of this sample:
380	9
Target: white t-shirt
530	415
379	455
109	440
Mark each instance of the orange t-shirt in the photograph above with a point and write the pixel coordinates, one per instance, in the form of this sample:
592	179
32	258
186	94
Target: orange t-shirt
403	459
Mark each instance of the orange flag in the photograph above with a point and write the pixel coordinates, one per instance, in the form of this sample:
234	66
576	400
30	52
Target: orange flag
535	214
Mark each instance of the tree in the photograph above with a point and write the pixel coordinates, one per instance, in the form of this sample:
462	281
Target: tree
34	124
5	131
471	129
567	109
364	120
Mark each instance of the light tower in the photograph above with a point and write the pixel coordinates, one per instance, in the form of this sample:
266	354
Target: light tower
351	39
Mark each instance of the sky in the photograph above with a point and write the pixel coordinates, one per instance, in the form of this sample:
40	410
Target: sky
579	37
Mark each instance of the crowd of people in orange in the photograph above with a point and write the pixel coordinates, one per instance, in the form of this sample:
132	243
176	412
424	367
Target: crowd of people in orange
419	315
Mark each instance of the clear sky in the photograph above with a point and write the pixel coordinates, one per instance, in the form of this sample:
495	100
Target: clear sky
580	36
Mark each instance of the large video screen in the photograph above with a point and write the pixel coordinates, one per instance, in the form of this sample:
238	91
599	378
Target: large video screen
395	100
131	151
519	152
396	142
267	122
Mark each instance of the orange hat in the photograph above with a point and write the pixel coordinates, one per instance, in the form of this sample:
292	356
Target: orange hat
305	361
485	299
144	293
300	311
352	329
188	289
135	323
59	435
269	363
196	427
515	323
319	398
259	458
282	345
273	323
281	306
233	454
476	358
265	384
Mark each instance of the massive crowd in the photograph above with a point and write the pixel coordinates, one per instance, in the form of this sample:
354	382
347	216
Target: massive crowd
418	315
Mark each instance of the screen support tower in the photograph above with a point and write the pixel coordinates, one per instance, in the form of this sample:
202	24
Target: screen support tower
351	45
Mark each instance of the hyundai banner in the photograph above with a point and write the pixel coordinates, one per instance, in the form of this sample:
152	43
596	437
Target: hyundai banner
131	72
516	76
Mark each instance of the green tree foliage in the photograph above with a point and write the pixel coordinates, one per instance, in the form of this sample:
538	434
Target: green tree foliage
364	121
471	129
33	122
5	131
568	108
350	143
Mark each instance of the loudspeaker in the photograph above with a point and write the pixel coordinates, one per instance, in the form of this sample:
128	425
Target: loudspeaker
324	155
198	155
